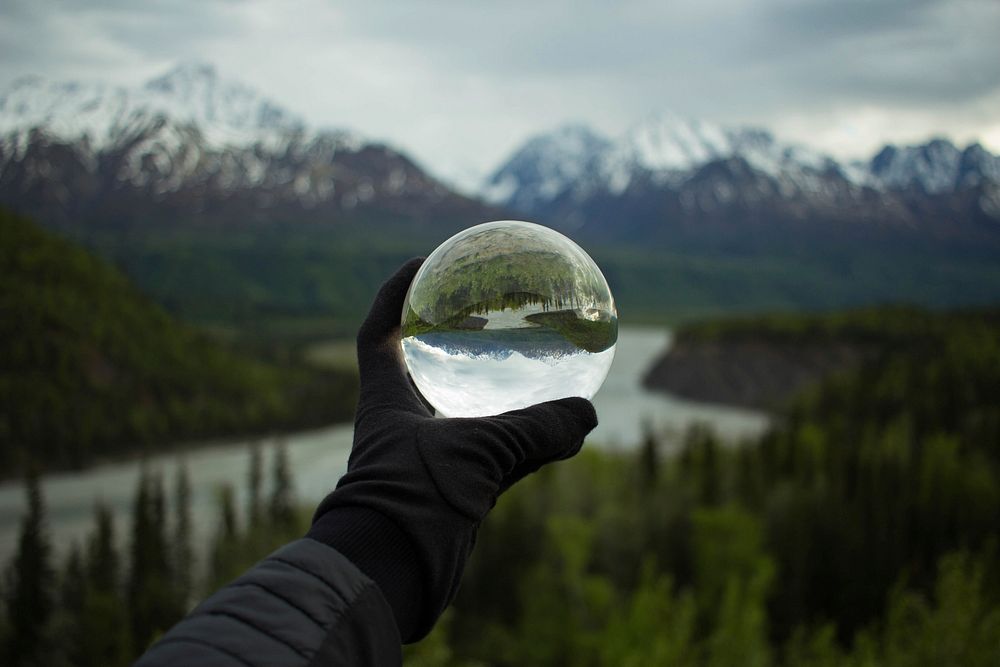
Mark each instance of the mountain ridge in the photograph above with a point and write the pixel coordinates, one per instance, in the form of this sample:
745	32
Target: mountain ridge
674	173
190	145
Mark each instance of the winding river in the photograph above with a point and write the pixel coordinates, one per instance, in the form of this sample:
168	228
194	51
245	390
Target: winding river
318	458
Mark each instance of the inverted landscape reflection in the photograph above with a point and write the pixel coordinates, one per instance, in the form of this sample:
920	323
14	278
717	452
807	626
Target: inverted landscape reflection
505	315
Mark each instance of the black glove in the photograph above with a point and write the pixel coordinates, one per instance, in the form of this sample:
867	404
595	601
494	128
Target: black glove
417	487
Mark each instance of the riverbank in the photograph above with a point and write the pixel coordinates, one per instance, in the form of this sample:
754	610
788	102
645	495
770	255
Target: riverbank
756	373
318	458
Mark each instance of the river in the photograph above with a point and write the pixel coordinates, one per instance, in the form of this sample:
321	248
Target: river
318	458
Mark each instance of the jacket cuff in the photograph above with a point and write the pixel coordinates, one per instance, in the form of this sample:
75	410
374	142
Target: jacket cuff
383	553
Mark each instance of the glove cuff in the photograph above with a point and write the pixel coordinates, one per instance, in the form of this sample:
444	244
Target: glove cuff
382	552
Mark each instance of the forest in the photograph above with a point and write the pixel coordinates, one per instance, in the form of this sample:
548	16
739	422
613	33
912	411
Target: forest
862	529
91	368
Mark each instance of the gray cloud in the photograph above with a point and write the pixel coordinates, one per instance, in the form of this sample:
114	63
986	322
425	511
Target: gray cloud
461	82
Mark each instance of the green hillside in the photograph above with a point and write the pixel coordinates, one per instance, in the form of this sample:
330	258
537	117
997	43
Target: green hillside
299	281
90	367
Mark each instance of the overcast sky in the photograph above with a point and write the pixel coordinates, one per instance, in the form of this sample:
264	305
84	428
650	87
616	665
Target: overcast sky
460	83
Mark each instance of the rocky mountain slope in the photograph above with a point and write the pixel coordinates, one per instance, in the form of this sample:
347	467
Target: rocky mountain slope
193	146
668	175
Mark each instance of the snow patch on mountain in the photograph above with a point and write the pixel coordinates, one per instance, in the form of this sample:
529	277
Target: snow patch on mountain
226	113
665	150
545	166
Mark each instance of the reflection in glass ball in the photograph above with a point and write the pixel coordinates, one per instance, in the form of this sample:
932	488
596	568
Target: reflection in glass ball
504	315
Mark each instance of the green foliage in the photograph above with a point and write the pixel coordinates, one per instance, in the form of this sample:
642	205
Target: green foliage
183	552
861	531
960	626
281	509
817	545
656	626
305	281
155	603
90	368
237	546
31	586
95	621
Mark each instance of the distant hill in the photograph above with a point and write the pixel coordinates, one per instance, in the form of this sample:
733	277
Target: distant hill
90	368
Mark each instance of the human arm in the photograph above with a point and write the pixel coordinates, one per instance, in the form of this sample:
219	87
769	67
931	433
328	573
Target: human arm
405	514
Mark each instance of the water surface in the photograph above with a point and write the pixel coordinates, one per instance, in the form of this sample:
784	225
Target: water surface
318	458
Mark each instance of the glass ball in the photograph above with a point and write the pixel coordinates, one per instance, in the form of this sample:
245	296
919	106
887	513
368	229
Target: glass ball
504	315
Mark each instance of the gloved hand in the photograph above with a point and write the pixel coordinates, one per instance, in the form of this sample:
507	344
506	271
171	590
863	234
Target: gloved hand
417	487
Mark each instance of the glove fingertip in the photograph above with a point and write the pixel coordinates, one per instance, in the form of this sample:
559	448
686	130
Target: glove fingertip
581	409
396	286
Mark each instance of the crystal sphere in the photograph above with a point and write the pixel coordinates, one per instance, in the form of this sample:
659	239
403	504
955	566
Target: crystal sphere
504	315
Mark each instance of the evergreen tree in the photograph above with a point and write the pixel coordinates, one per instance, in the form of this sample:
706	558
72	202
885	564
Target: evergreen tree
282	507
649	458
710	484
32	585
4	627
153	604
255	478
226	501
103	562
183	564
73	602
74	581
102	625
228	545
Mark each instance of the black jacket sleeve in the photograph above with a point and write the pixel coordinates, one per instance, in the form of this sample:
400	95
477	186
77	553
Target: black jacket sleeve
304	605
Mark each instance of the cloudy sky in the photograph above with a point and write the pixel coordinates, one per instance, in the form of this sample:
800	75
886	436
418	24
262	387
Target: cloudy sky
460	83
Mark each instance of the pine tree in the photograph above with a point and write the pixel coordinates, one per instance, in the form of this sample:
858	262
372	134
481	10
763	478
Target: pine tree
709	482
73	597
228	505
255	479
649	459
227	547
102	555
74	580
282	509
153	604
31	585
102	625
183	552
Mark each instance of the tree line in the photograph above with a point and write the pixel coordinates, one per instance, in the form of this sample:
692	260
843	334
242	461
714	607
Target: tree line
862	529
105	601
90	368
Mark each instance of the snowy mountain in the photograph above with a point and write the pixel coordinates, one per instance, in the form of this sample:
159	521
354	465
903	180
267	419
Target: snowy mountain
546	166
938	167
227	113
668	172
191	144
666	146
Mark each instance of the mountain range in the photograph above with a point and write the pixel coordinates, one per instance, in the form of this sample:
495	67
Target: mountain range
191	145
237	211
668	176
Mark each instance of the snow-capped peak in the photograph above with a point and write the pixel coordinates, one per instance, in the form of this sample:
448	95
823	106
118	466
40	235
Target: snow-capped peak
546	165
664	141
669	147
195	93
932	167
225	112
